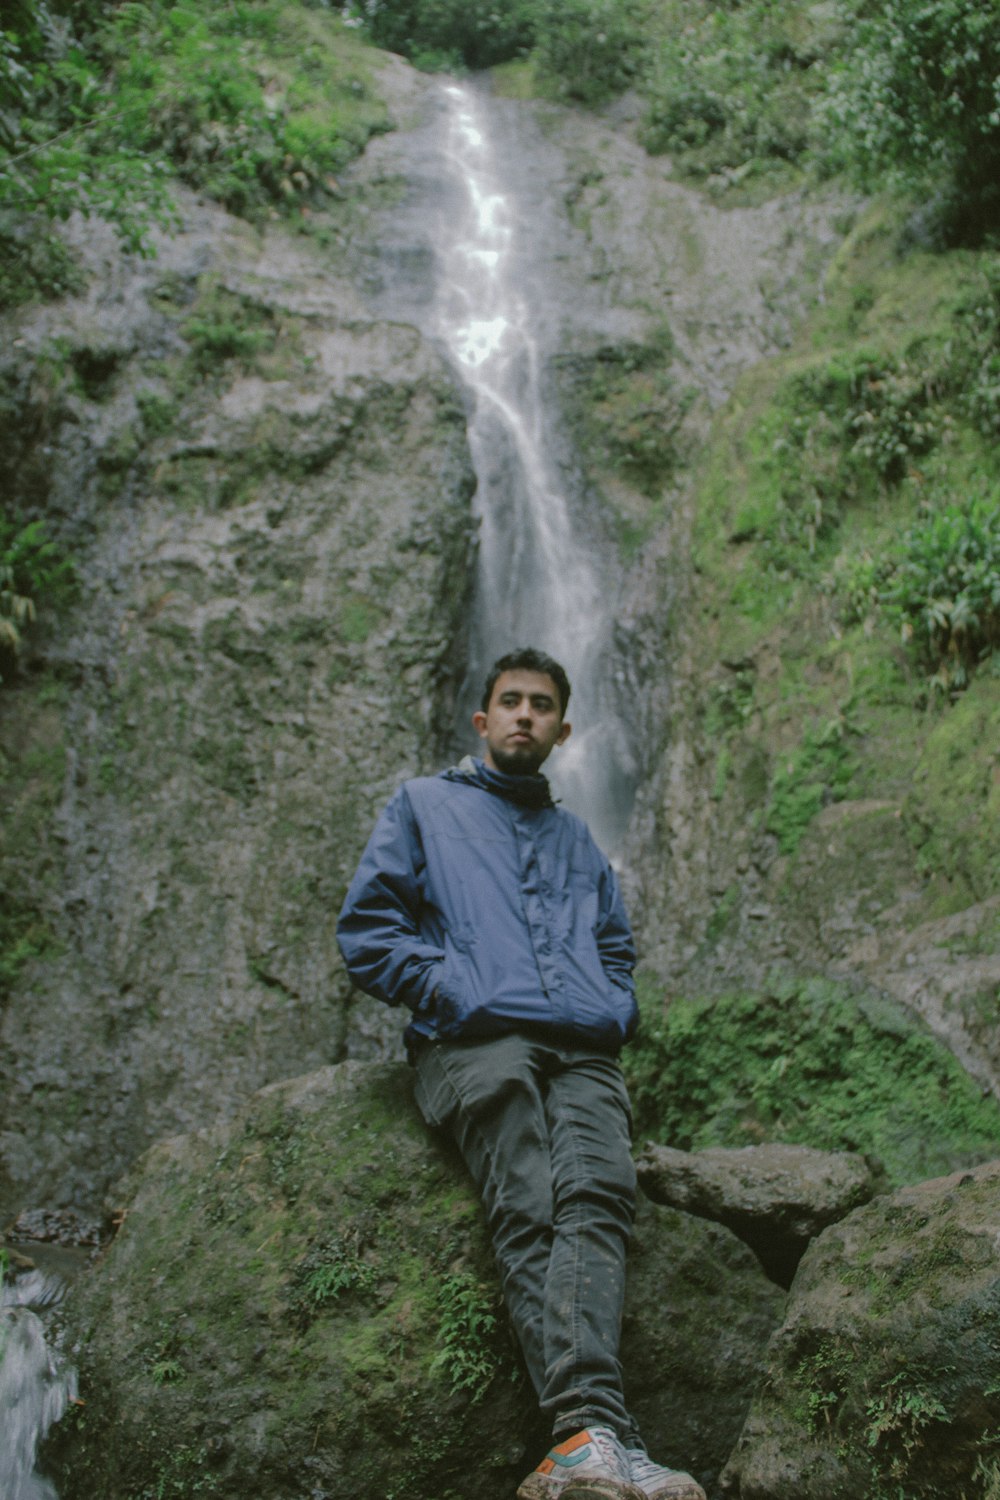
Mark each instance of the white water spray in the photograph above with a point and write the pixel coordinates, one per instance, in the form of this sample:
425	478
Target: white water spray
35	1389
537	583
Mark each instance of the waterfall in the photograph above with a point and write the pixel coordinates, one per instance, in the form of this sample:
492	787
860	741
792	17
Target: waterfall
35	1389
537	584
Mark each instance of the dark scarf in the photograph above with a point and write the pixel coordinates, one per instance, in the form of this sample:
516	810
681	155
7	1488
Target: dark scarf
526	791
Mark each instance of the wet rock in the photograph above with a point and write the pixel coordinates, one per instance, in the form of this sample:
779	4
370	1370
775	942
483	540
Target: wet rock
315	1272
884	1375
776	1197
265	492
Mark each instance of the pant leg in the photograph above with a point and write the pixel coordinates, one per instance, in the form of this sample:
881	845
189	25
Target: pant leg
545	1133
488	1097
593	1177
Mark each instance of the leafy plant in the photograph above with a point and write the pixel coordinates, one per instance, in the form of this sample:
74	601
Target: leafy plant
805	1061
467	1312
897	1418
805	781
33	568
915	98
446	33
257	104
728	87
976	361
944	588
332	1270
64	146
592	50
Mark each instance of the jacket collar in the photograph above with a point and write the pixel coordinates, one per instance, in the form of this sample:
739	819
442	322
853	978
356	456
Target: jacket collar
526	791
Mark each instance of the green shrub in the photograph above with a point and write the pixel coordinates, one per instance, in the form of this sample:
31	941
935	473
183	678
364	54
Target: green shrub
450	33
257	104
809	1062
592	50
915	99
944	587
34	572
976	361
807	780
728	87
882	408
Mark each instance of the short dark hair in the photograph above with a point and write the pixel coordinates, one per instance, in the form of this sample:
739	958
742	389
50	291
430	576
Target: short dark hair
527	659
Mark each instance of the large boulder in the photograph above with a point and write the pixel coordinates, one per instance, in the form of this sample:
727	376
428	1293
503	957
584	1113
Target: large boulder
302	1302
884	1378
775	1197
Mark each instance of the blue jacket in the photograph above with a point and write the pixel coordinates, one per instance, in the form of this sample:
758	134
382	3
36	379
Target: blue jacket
486	909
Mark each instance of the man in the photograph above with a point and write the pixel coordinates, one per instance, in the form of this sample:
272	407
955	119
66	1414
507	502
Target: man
493	916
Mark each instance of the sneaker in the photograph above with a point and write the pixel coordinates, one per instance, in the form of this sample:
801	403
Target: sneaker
592	1465
657	1483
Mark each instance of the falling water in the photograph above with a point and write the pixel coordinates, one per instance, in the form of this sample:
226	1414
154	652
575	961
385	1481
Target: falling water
537	583
35	1389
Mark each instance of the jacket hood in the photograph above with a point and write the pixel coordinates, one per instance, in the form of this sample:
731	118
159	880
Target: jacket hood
527	791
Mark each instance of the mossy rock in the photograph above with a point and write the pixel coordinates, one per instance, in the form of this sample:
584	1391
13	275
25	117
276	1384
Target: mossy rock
953	811
883	1380
304	1301
811	1062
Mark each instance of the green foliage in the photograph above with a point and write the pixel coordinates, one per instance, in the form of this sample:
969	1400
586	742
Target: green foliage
592	50
806	1062
226	327
944	587
257	104
976	359
34	572
468	1313
64	146
729	87
897	1418
450	33
939	583
333	1269
808	779
915	97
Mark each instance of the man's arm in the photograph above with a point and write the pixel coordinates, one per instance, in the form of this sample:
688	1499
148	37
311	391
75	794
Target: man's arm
378	931
615	945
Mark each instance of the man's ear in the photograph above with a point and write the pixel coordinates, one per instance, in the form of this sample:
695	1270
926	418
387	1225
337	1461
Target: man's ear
565	730
479	723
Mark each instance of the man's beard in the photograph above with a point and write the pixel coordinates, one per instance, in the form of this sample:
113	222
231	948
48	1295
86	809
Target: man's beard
517	762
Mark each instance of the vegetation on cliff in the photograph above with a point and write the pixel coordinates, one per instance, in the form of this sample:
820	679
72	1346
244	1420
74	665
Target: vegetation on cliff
257	104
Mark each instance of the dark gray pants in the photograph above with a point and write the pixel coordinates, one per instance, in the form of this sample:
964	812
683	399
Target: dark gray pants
545	1131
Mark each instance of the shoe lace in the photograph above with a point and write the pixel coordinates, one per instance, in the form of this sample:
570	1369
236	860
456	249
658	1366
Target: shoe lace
611	1449
643	1469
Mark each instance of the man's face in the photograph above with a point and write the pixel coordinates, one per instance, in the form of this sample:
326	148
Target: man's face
522	724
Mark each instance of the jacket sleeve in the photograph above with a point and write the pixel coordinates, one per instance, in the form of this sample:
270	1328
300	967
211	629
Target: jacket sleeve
615	945
379	927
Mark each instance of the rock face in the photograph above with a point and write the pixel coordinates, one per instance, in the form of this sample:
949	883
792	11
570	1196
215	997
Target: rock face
884	1376
775	1198
266	494
303	1301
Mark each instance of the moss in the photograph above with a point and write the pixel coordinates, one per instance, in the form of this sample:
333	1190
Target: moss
810	1062
269	1241
626	411
32	772
952	813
